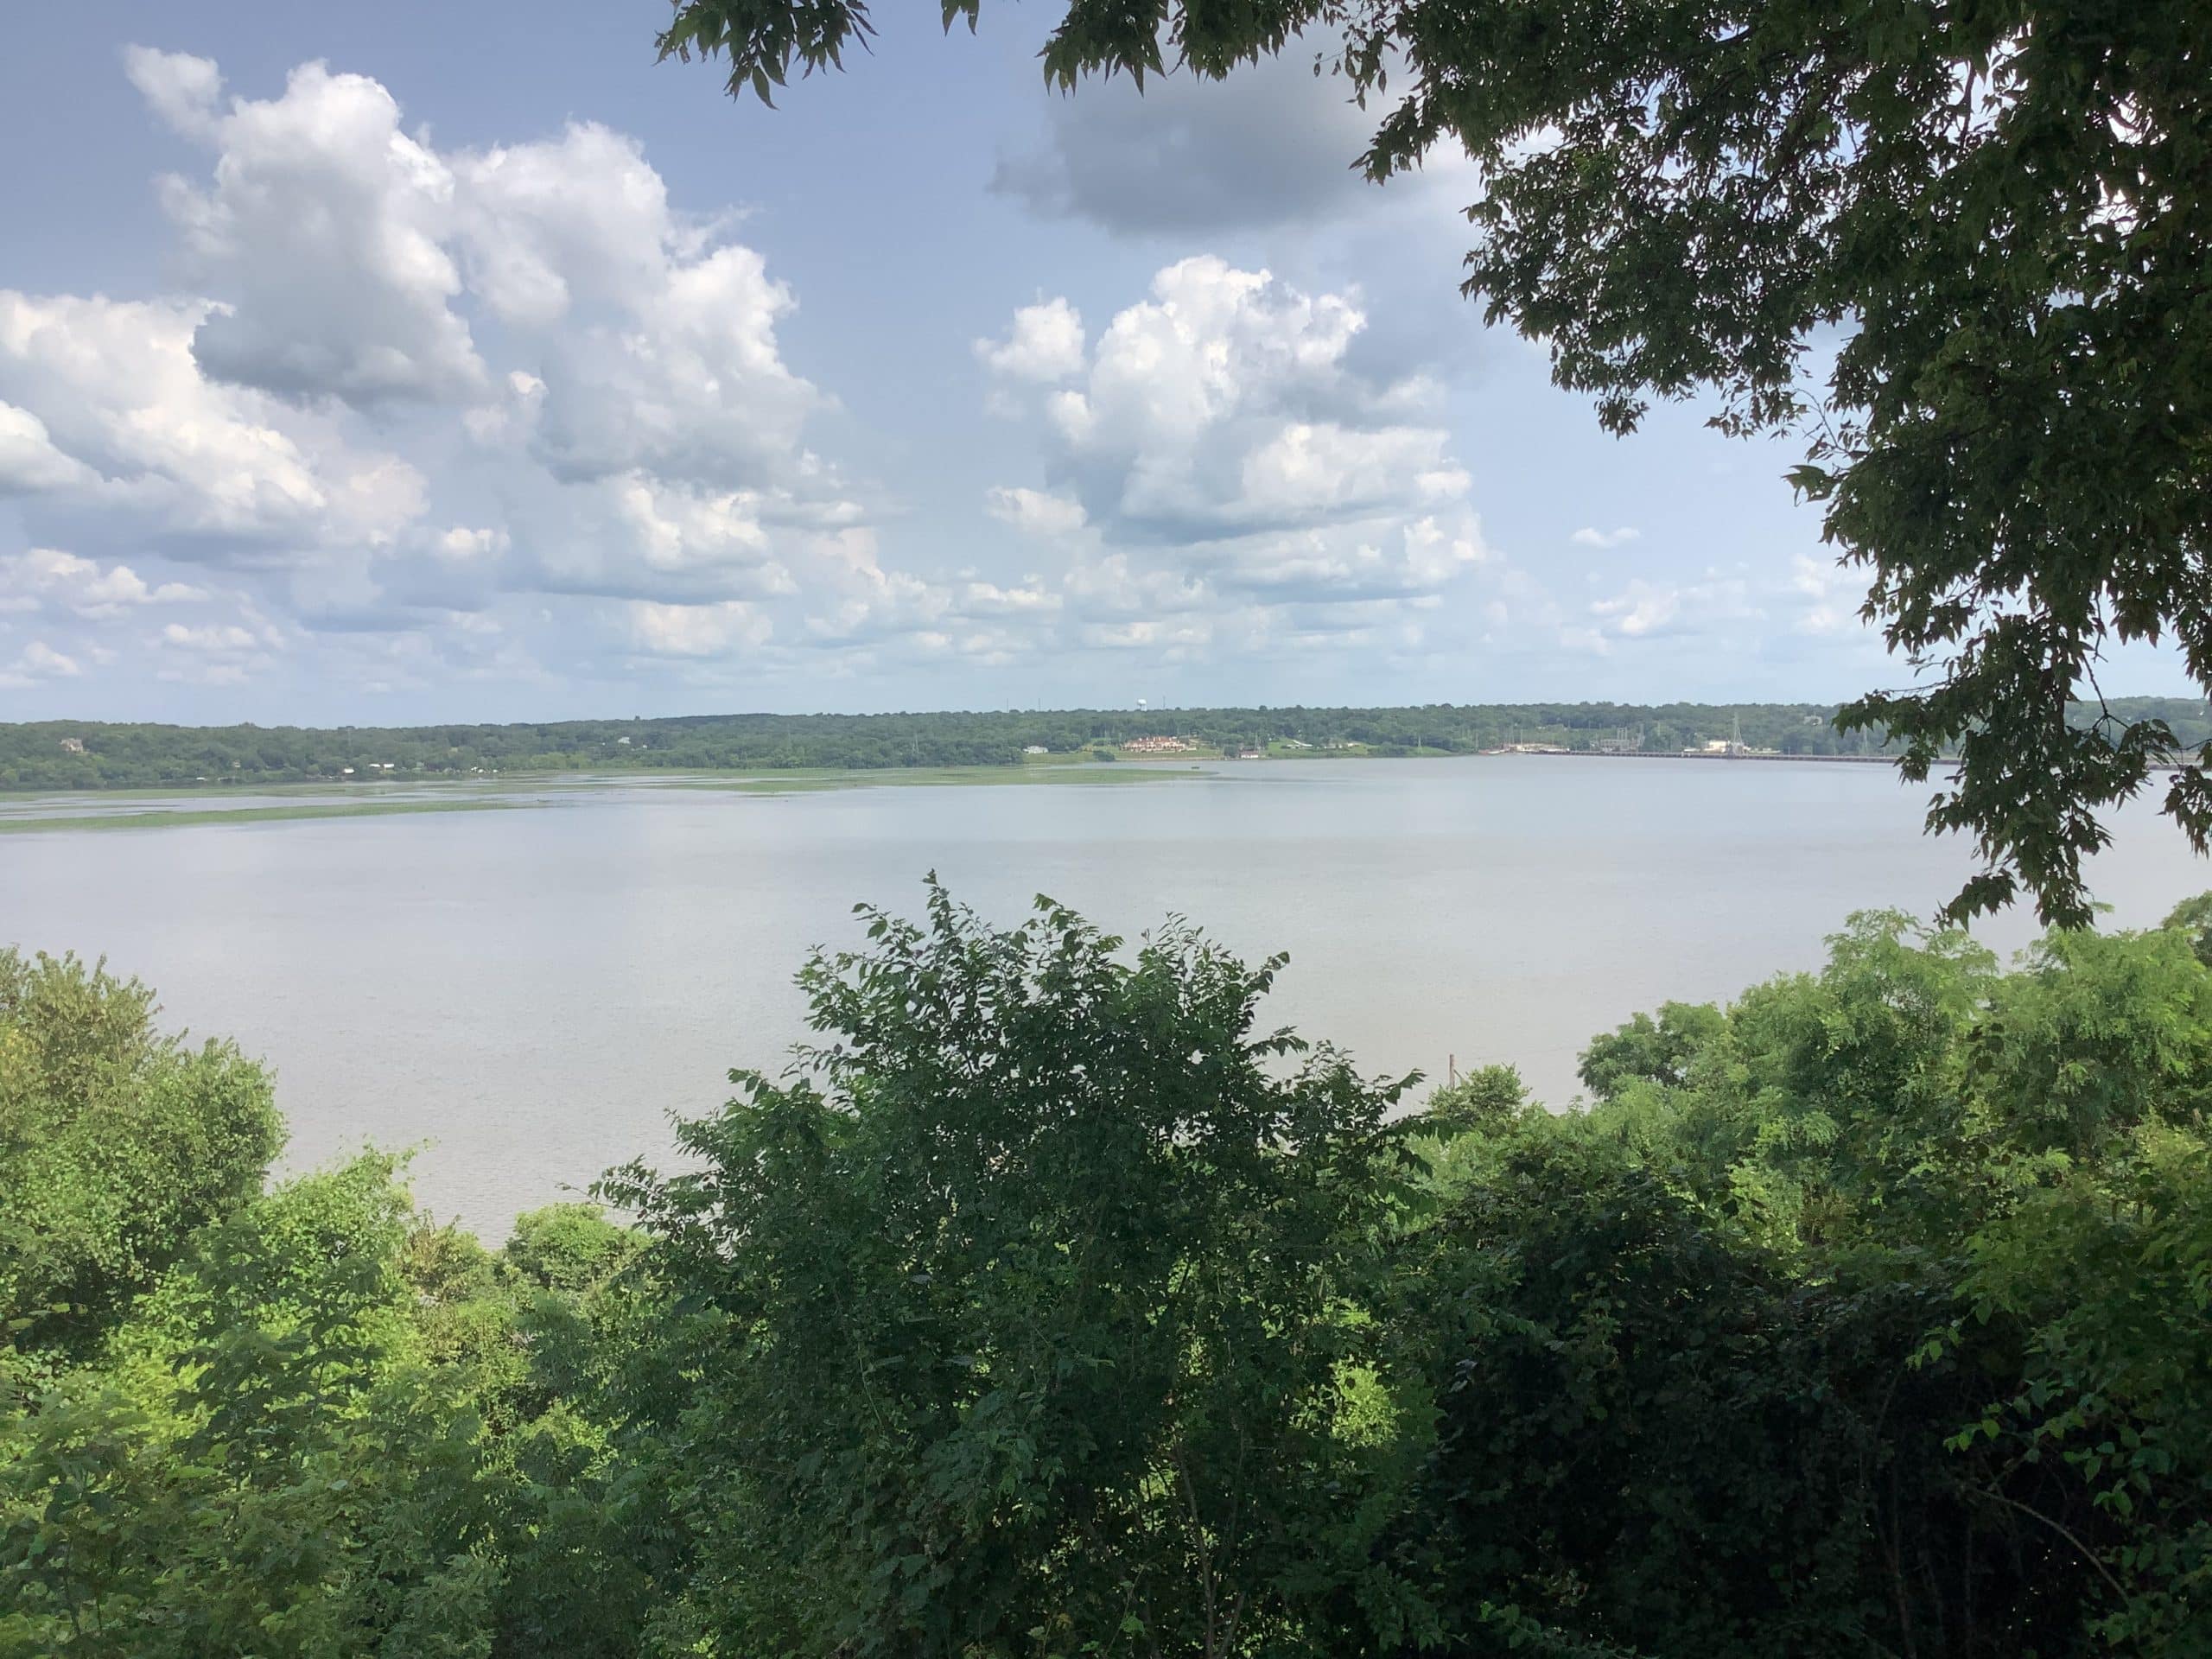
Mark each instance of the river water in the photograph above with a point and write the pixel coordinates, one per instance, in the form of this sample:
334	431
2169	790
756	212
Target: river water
529	994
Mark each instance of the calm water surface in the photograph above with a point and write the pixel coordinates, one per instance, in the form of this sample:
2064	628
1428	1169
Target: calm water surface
532	993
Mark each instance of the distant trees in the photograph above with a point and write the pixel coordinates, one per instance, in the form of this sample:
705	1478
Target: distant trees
1054	1305
32	756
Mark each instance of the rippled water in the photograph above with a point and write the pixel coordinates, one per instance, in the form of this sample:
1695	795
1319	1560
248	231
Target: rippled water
533	991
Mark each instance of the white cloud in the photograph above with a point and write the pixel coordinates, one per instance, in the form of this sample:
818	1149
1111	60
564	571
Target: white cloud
696	630
1646	610
1643	608
1029	599
1035	512
342	252
1591	536
325	232
1112	586
216	653
860	601
1310	469
462	545
1832	595
692	386
1224	402
659	349
578	221
423	400
1175	639
507	412
1222	430
181	89
1045	344
30	462
213	638
44	576
510	416
1417	557
115	387
39	661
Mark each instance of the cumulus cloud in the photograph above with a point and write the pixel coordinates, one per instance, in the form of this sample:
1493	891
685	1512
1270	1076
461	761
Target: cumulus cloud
1221	425
1648	610
45	577
508	411
645	538
1223	403
1045	344
213	653
1320	468
1643	609
581	220
39	661
463	545
1035	512
30	462
343	250
1831	595
690	384
324	230
115	389
215	639
716	630
1591	536
184	91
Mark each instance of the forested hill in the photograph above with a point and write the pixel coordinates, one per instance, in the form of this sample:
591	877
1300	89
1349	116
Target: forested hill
79	755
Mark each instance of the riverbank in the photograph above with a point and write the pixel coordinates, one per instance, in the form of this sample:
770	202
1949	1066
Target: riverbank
76	811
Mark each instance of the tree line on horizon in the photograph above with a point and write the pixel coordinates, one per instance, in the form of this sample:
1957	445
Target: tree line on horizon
1054	1304
85	754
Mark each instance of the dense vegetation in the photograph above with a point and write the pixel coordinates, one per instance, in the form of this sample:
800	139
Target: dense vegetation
1055	1305
65	755
1954	253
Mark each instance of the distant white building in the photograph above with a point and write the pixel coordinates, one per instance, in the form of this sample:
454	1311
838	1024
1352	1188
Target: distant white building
1027	748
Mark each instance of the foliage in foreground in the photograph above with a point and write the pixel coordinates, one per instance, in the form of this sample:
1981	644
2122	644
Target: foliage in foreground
1053	1305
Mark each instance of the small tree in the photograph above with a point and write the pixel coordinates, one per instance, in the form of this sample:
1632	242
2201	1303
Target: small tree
1029	1318
117	1141
1485	1100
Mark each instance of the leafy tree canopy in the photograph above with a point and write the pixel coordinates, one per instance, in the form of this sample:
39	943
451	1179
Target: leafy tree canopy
1032	1320
1956	250
1054	1305
117	1142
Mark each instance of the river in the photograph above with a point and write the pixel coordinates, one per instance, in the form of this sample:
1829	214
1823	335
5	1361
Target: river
528	995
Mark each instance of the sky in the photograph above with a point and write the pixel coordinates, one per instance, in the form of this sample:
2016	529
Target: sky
402	363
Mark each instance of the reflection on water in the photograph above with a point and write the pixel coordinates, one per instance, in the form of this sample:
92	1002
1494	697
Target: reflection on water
532	993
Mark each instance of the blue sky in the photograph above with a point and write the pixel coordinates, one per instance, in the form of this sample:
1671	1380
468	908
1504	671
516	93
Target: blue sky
400	363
